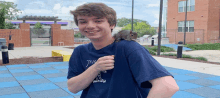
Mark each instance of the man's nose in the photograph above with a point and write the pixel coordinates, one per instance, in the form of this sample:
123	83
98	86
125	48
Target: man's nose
90	25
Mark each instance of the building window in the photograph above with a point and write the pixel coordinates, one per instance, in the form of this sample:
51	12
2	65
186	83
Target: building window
190	5
189	26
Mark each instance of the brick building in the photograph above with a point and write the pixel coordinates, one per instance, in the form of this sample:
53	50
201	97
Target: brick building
203	21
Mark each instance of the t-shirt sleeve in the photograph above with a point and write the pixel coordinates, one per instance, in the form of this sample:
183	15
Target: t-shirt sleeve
144	67
75	65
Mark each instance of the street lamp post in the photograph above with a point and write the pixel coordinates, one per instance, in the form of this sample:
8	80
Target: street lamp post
159	33
132	15
185	24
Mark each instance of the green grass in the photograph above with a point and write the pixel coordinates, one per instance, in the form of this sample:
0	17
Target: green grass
38	42
206	46
186	56
162	48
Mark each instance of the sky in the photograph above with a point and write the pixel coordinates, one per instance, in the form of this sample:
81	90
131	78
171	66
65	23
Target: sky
147	10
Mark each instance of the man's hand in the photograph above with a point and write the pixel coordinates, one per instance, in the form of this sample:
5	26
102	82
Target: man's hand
105	63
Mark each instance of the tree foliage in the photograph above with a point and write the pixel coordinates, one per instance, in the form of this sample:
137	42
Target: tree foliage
79	35
9	25
121	22
11	11
2	18
141	28
38	25
38	29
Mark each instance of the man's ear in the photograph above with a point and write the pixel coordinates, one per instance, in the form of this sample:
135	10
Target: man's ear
112	27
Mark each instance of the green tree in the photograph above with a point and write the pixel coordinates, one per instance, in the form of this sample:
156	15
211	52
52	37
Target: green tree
9	25
38	25
2	18
78	35
11	12
141	28
121	22
38	29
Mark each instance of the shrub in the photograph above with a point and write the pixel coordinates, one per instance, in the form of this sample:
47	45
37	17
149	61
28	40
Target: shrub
162	49
186	56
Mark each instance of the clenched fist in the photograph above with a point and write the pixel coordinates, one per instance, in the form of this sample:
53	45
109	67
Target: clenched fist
104	63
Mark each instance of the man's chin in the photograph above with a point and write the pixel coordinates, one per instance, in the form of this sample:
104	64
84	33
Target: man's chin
93	38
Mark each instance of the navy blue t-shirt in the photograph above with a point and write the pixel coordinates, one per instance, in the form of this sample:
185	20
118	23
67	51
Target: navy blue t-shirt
133	68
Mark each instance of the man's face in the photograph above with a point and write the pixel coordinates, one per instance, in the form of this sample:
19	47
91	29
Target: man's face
93	27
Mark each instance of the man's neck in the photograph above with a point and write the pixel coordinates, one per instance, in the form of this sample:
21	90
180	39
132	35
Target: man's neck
101	43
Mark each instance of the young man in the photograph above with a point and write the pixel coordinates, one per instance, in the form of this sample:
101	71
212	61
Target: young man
106	69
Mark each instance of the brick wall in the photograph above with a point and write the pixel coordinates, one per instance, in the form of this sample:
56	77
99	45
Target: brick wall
4	33
213	20
203	17
25	35
58	35
68	37
196	37
21	37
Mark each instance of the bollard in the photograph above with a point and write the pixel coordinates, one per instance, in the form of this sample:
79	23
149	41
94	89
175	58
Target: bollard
180	49
5	58
10	46
152	42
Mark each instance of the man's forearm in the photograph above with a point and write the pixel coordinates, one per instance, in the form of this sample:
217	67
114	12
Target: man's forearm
83	80
161	92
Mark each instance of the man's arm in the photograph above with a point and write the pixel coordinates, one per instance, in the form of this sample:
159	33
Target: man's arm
82	81
163	87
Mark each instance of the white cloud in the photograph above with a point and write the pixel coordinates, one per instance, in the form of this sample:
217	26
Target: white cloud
56	6
156	16
153	13
119	8
39	3
123	14
66	10
154	5
36	11
114	3
156	22
81	3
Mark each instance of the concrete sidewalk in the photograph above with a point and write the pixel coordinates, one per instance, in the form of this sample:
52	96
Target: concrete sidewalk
190	65
210	55
36	51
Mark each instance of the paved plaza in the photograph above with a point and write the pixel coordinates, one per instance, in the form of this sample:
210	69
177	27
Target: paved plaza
48	80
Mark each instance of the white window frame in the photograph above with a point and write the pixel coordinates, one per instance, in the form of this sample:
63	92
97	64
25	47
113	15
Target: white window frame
187	26
188	6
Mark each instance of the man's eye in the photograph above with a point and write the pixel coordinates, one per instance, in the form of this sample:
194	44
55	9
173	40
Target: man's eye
97	21
82	22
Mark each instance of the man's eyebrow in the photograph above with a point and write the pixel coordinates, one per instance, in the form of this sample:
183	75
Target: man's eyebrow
99	18
81	19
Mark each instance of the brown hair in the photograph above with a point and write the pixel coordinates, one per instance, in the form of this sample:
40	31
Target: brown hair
95	9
